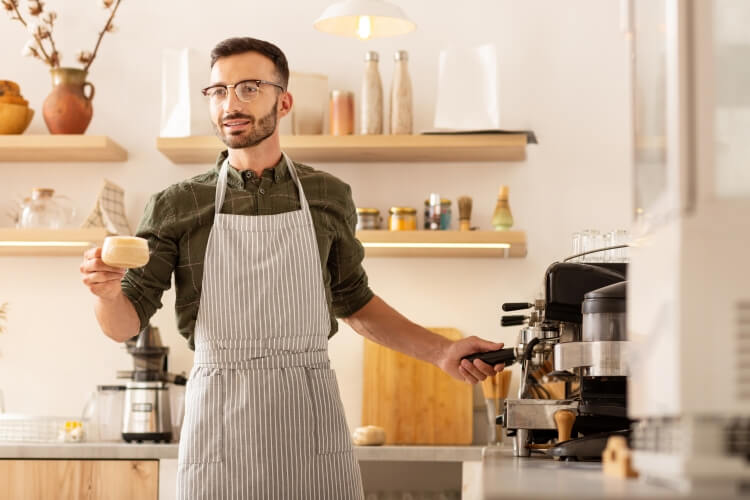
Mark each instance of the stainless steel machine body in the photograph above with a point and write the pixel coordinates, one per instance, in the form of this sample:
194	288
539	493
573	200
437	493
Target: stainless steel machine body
577	338
147	414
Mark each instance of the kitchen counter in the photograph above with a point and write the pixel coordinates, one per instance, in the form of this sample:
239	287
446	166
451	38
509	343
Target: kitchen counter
490	475
146	451
508	477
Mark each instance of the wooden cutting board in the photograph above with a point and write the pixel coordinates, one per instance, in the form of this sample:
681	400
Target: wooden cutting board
414	401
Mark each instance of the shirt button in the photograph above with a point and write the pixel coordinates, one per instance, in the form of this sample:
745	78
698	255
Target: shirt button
262	191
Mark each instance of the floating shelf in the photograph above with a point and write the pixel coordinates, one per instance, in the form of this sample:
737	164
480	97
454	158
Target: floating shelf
59	148
48	242
364	148
494	244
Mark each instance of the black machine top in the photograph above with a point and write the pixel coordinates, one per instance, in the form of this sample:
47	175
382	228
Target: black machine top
566	284
610	299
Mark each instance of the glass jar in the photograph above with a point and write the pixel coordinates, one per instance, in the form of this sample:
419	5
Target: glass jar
402	219
368	218
341	112
445	214
46	210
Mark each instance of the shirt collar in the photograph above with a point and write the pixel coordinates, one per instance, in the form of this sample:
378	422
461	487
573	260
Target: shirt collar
278	172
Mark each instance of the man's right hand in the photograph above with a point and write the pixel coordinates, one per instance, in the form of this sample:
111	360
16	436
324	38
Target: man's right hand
101	279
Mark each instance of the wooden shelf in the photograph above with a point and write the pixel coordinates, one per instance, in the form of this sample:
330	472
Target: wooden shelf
364	148
48	242
59	148
494	244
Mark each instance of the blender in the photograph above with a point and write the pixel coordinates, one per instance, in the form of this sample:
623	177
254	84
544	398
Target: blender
147	412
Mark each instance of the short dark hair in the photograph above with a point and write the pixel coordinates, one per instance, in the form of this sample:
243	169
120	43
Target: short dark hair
240	45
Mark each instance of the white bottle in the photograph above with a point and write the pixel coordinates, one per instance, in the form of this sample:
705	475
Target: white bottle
401	99
371	114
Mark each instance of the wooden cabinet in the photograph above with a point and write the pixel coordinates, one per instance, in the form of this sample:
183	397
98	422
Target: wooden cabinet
79	479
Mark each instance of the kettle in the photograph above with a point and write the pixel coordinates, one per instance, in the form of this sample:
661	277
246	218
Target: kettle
45	210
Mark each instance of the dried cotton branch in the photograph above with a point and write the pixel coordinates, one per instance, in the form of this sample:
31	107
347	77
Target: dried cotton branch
35	7
101	34
41	31
29	50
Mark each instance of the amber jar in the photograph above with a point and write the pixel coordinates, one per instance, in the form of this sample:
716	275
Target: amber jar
402	219
341	111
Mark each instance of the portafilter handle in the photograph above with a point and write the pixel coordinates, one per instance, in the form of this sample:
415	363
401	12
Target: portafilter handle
513	319
506	356
125	373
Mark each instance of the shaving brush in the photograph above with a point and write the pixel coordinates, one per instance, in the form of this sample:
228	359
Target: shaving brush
464	213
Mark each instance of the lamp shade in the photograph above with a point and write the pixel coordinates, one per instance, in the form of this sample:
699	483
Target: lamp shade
364	19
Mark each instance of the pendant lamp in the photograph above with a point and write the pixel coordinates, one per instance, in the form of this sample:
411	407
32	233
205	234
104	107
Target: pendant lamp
364	19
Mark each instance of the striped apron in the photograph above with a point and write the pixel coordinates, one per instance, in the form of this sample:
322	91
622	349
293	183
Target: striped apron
263	414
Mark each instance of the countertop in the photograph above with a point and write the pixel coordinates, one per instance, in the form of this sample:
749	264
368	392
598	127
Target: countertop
501	474
146	451
508	477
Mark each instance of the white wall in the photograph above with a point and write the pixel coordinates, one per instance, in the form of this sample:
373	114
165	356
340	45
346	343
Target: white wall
562	72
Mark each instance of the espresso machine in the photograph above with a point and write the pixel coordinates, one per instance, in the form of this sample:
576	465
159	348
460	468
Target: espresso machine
147	415
572	352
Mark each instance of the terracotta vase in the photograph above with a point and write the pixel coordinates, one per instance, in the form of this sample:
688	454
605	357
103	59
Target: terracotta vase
67	109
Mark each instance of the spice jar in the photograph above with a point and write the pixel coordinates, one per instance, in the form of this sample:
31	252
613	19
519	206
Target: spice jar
402	219
341	112
445	214
368	218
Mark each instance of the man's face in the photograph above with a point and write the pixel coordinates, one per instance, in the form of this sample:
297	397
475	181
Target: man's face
244	124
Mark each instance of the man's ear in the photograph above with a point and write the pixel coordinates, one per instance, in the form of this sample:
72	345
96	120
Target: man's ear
285	104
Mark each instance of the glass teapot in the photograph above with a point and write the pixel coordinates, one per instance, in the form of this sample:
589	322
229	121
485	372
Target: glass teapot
45	210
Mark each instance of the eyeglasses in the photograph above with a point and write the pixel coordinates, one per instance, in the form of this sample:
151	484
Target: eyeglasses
246	90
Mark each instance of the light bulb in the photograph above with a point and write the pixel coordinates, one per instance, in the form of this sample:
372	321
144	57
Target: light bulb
364	27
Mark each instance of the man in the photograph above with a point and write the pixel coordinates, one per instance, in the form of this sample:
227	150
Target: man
265	258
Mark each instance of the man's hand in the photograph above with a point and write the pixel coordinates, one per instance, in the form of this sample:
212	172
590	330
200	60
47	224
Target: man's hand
114	311
101	279
450	360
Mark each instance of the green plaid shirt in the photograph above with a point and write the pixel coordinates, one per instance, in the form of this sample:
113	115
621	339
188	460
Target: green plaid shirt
177	222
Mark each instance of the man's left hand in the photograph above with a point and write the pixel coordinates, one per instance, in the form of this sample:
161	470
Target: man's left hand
450	360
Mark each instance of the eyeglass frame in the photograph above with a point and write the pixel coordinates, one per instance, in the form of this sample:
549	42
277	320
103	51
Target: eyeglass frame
233	86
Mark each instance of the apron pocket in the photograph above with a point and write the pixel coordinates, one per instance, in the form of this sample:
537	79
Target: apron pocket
201	439
331	430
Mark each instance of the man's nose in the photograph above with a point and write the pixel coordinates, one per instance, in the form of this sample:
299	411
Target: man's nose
232	102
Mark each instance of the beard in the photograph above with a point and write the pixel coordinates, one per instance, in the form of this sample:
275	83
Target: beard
259	130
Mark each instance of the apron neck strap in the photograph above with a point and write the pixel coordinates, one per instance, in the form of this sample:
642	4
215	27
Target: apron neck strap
221	185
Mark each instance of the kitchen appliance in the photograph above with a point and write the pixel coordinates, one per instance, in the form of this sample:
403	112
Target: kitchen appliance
147	412
688	298
572	353
103	413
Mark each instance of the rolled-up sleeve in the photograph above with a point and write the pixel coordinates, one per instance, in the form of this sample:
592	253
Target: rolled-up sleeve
350	290
144	286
